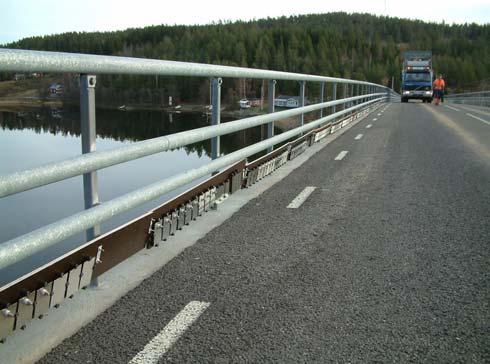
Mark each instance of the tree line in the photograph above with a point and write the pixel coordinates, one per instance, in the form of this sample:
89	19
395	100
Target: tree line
357	46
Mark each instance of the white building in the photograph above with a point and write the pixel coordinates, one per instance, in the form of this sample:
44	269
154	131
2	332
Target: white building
287	101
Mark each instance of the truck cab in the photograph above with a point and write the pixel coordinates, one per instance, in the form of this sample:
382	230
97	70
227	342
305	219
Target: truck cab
417	76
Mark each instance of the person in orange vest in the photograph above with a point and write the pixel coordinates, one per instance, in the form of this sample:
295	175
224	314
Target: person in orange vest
439	86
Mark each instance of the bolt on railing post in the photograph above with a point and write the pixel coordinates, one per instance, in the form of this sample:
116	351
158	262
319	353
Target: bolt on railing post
302	87
271	99
88	128
334	97
215	114
322	96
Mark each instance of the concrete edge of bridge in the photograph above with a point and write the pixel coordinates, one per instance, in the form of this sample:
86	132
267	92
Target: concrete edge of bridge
43	335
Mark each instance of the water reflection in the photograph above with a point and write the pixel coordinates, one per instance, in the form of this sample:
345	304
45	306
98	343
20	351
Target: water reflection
32	138
126	126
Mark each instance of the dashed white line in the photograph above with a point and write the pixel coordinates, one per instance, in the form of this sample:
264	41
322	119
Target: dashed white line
160	344
368	126
341	155
303	195
375	119
452	108
379	114
477	118
359	136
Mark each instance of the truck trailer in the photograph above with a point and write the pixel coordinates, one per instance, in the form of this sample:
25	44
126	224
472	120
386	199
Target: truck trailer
417	76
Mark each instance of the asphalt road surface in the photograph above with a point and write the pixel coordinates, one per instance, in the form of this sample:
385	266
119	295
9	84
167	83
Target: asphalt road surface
385	260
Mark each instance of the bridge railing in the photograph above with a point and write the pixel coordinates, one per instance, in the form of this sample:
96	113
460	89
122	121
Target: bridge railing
479	98
20	60
358	96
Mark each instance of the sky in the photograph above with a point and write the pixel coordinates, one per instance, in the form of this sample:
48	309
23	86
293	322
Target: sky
24	18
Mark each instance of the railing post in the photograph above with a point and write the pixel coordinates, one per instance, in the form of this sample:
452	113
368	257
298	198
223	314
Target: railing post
215	114
271	98
345	96
302	85
322	97
351	103
334	97
87	121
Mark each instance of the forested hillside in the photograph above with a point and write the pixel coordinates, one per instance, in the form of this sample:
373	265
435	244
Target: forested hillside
358	46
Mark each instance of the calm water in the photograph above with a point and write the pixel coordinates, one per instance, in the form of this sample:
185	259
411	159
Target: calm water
29	139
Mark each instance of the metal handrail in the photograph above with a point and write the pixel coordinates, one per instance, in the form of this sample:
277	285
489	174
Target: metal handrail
57	171
465	94
476	98
16	60
22	60
20	248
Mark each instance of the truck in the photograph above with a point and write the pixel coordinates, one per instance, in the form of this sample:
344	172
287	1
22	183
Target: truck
417	76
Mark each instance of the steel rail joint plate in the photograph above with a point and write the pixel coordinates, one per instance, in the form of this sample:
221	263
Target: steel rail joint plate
7	320
25	310
87	272
73	282
59	290
43	298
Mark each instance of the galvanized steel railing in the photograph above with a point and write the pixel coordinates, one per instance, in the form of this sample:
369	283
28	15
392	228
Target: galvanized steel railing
19	61
479	98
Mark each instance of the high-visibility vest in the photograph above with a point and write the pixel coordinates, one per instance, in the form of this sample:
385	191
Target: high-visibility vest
439	84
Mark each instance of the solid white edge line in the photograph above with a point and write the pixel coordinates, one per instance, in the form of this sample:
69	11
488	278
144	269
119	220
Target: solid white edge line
303	195
341	155
161	343
368	126
476	117
452	108
359	136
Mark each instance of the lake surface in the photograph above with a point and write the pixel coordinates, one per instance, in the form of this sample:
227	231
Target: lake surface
32	138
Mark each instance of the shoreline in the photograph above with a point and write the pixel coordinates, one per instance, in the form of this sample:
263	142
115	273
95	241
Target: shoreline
12	104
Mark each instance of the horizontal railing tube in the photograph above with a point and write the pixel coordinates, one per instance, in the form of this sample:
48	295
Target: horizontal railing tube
464	94
26	245
17	60
57	171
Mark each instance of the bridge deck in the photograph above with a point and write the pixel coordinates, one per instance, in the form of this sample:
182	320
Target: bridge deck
386	260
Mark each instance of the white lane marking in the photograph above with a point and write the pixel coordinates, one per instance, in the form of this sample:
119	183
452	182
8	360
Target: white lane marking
160	344
476	117
359	136
379	114
368	126
375	119
303	195
452	108
341	155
